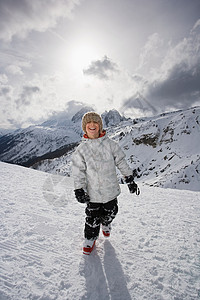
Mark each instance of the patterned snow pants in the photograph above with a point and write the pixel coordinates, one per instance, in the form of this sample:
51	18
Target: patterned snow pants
97	214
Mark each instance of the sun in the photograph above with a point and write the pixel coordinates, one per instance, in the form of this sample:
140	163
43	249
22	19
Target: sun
77	54
81	55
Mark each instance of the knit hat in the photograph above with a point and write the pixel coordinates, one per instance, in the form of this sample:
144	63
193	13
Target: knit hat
92	116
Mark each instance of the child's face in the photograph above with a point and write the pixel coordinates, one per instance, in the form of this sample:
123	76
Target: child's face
92	130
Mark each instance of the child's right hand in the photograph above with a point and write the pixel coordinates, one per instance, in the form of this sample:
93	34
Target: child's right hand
81	196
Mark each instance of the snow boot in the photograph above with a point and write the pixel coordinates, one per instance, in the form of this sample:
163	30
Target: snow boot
106	230
88	246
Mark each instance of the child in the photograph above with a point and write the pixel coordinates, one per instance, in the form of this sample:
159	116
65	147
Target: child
95	180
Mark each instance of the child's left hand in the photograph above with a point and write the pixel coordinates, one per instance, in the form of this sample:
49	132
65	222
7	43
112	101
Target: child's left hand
133	187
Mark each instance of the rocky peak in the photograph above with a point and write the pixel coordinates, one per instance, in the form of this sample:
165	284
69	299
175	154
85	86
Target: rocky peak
112	117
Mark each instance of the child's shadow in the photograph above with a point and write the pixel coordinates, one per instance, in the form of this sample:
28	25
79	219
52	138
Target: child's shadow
114	274
105	280
96	285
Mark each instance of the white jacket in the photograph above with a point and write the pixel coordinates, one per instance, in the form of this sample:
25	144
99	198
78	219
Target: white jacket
94	168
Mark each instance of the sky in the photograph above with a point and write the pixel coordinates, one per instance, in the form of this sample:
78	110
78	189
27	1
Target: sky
141	57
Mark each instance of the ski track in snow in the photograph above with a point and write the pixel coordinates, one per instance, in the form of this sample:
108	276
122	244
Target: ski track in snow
153	251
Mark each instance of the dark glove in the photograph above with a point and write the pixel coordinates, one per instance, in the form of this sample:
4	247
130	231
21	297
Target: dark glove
133	188
81	196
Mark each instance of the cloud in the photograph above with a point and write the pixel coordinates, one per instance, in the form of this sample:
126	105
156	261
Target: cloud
3	79
196	25
171	81
19	17
27	95
178	85
4	91
152	52
102	69
180	89
30	102
14	70
22	106
71	108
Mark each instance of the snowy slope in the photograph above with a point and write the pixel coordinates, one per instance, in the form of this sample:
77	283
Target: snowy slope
165	149
58	135
25	145
30	145
153	251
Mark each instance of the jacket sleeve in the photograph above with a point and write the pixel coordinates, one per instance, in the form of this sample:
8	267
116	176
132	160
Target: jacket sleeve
120	160
78	170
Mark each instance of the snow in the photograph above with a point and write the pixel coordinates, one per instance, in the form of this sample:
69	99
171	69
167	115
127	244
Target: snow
153	251
165	149
35	141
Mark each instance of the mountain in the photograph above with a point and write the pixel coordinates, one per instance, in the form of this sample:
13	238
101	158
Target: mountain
51	139
112	118
26	146
139	104
5	131
164	150
152	253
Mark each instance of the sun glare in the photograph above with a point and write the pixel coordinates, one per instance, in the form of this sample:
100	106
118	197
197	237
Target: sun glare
81	56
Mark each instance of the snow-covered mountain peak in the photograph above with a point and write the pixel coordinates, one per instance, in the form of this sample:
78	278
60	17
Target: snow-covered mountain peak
59	133
78	116
165	149
138	105
112	117
64	118
57	120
